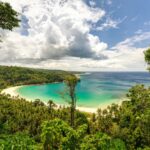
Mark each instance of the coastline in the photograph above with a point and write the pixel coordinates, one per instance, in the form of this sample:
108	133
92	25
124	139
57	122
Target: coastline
12	91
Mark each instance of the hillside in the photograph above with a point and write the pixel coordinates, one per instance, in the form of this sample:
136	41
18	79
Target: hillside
12	76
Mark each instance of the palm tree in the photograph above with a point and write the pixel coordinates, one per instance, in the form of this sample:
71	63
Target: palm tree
51	106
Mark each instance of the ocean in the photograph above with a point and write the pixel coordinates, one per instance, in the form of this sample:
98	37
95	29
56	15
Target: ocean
96	89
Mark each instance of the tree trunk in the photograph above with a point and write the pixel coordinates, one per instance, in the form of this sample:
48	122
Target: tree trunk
72	116
72	110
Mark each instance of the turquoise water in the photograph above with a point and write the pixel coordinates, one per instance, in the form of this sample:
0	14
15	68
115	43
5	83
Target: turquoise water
94	90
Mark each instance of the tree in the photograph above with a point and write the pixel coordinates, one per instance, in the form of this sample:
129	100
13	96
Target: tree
101	141
8	17
18	141
57	134
147	57
97	141
71	82
51	106
38	102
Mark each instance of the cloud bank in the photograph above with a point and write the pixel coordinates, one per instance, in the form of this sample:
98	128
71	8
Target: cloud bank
56	34
54	29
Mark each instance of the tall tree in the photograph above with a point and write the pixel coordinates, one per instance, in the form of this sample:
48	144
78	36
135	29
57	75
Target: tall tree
8	17
71	82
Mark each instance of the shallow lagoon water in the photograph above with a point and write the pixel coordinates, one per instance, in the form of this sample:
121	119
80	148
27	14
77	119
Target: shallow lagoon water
94	90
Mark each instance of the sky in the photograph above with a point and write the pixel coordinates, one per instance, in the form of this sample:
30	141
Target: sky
78	35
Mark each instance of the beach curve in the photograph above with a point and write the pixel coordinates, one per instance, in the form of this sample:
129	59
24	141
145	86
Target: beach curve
12	91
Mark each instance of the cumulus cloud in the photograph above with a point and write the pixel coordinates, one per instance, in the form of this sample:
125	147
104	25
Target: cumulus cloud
56	34
52	30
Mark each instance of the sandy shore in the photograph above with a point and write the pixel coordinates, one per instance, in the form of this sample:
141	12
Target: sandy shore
85	109
102	106
12	91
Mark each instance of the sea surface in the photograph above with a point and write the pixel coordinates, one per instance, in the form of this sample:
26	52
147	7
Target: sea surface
94	90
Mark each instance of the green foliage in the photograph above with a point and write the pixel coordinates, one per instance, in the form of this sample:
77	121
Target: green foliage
117	127
12	76
96	141
147	57
129	122
117	144
17	141
8	17
101	141
71	82
19	115
58	134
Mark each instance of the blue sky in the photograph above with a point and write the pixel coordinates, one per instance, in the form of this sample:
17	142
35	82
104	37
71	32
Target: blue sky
82	35
134	16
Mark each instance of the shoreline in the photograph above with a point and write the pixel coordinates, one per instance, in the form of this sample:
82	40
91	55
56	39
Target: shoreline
12	91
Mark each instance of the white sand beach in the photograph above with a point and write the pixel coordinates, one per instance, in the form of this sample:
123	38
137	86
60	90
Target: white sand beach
102	106
11	91
86	109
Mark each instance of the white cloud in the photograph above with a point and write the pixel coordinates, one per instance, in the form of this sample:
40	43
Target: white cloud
56	35
53	29
132	41
127	55
110	23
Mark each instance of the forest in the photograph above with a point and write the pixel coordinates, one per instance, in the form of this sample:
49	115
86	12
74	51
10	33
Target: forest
12	76
36	126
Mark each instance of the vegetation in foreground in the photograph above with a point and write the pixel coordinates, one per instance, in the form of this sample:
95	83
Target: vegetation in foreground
32	125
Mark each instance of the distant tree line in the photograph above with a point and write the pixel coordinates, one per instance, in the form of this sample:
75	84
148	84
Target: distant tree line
12	76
